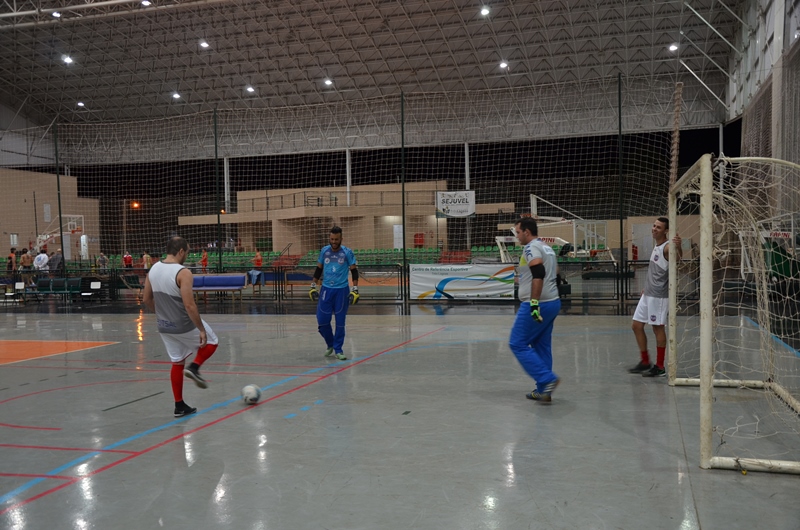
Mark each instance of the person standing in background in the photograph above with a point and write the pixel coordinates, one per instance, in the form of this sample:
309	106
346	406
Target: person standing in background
204	261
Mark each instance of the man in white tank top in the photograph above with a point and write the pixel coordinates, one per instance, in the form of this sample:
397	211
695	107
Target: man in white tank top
168	293
652	307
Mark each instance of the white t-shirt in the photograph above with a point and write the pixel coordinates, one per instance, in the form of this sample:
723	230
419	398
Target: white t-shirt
40	262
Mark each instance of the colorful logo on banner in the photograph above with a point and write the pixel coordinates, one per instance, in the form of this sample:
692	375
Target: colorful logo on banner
455	204
499	284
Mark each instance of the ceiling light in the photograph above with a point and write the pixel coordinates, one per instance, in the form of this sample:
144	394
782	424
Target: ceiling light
80	104
328	82
250	89
673	47
56	14
204	44
67	59
504	65
484	11
146	3
175	95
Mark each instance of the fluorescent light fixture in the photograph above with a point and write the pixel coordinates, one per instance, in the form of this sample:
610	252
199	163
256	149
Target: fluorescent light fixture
673	47
504	65
67	59
484	10
146	3
80	104
56	14
204	44
250	89
328	82
175	95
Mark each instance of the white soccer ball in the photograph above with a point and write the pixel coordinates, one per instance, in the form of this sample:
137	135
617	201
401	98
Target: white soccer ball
251	394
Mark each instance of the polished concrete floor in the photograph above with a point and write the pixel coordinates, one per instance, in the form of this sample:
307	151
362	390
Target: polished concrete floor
425	426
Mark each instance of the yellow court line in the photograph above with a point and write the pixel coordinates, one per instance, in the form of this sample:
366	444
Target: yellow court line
14	351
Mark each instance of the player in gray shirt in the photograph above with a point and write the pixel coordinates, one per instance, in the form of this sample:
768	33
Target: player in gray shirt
653	305
531	335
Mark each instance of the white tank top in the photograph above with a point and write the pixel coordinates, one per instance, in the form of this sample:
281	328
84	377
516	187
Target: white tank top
170	311
657	281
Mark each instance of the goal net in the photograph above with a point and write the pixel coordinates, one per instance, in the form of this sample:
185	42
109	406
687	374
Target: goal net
734	325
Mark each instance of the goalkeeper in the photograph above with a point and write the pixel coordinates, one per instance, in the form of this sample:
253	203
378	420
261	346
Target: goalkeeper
531	335
335	296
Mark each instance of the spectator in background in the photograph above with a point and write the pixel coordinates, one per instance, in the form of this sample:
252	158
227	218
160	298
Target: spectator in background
127	260
102	263
256	274
56	262
12	261
26	266
147	261
40	261
204	261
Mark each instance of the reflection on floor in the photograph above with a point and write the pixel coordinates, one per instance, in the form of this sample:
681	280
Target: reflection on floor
424	426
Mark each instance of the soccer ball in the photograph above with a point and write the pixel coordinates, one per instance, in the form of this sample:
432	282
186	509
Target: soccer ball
251	394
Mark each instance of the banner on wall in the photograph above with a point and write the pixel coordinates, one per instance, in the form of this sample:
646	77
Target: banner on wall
455	204
452	282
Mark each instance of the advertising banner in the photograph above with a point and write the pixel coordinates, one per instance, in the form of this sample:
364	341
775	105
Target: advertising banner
455	204
452	282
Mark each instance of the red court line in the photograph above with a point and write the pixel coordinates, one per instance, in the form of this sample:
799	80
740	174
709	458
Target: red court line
12	426
36	475
142	370
49	448
208	363
202	427
81	385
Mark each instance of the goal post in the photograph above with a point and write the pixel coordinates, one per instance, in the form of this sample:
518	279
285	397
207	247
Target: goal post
734	331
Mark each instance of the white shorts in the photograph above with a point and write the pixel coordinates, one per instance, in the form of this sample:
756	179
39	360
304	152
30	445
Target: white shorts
652	310
181	345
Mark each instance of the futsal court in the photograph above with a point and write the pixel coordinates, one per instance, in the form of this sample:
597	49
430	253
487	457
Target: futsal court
424	426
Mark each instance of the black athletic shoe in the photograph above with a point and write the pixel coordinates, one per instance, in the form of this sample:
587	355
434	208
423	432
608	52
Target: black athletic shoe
655	371
640	368
182	409
546	395
193	373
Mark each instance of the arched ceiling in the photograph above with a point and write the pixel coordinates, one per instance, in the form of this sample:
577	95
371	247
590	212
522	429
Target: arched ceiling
129	59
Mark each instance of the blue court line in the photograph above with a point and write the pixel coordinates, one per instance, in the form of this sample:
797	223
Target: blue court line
57	471
304	408
21	489
774	337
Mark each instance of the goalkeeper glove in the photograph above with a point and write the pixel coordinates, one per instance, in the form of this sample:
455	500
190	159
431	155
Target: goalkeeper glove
535	313
313	293
354	295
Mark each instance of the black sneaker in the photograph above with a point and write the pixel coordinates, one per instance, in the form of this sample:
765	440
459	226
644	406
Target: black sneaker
655	371
546	395
182	409
193	373
640	368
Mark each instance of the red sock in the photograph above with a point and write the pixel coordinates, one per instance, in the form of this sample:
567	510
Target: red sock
661	352
645	357
204	353
176	377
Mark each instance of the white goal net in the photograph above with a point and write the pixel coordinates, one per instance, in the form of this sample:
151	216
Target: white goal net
735	311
